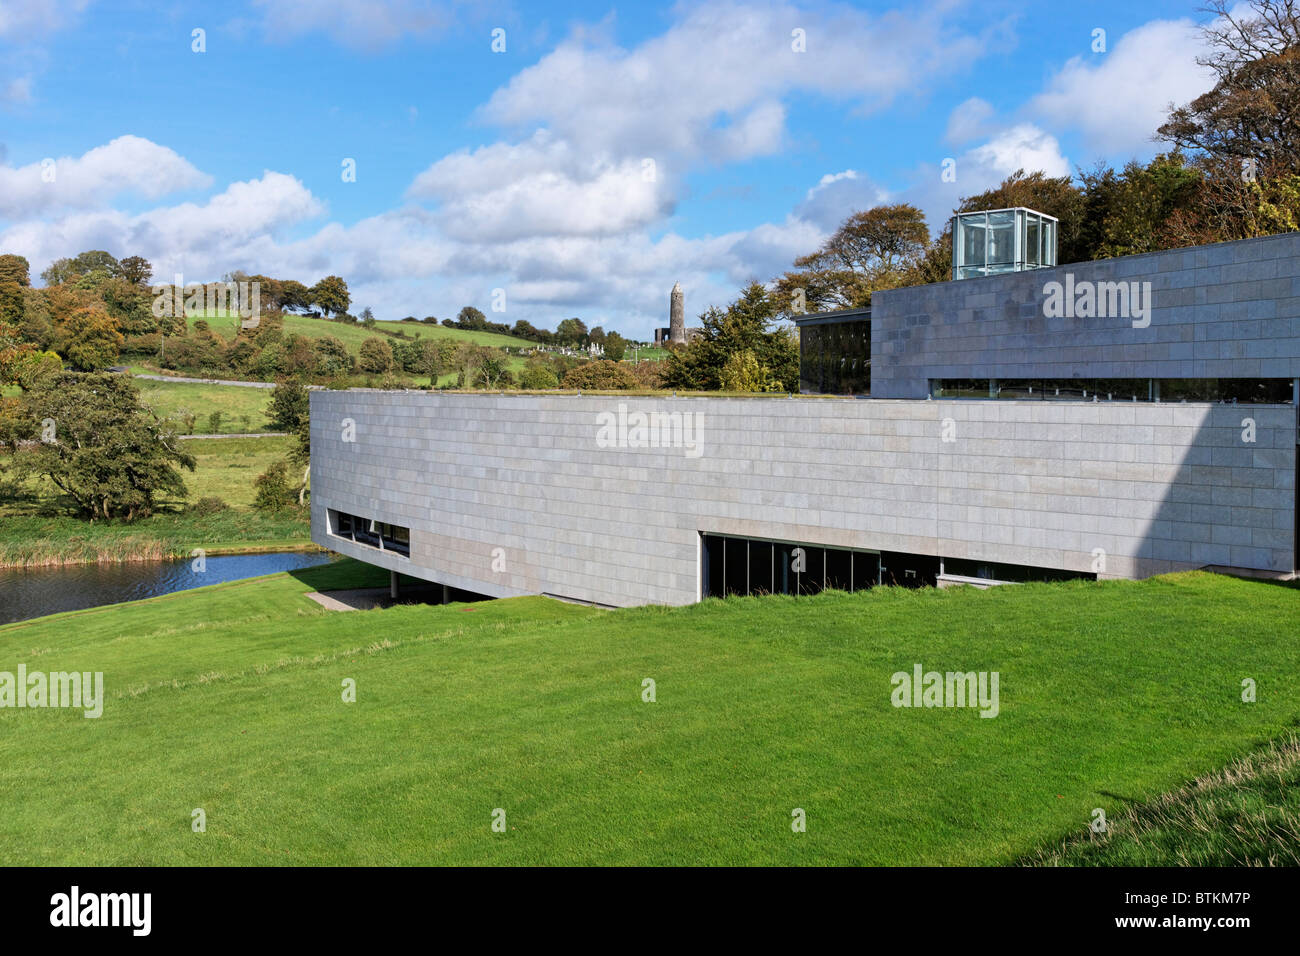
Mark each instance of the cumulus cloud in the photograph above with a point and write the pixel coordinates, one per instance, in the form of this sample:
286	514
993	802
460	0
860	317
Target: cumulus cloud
983	166
541	187
836	195
604	137
1023	146
211	237
128	164
1117	99
712	85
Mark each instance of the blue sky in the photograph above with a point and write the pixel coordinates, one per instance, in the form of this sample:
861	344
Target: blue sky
611	150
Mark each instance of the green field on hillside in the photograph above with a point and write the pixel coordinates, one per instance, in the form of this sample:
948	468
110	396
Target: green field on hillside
353	334
242	409
229	699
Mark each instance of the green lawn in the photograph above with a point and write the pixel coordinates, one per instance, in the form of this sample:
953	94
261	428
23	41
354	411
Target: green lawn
174	400
228	699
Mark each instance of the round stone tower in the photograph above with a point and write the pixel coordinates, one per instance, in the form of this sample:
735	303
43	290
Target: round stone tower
677	315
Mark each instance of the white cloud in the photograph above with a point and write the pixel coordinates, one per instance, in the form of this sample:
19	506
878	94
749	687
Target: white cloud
1117	99
541	187
712	85
969	120
1023	146
16	91
567	201
983	166
559	211
26	19
363	24
835	196
201	239
128	164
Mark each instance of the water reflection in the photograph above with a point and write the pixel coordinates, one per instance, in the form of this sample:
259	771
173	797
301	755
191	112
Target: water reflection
27	593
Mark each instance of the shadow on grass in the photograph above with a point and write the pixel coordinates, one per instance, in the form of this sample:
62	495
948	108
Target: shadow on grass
349	574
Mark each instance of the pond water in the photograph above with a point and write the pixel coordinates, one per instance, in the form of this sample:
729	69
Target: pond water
34	592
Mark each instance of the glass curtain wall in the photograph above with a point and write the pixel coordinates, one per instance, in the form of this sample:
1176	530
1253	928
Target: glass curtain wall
1002	240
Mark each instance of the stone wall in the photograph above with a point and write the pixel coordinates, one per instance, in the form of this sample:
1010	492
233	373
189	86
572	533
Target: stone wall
529	494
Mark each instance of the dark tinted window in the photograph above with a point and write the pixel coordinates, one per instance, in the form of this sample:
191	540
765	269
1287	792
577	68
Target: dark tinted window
760	567
835	358
839	569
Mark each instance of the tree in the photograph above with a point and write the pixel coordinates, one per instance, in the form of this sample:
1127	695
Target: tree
602	375
367	317
571	332
130	305
89	339
1131	212
615	347
12	306
36	326
746	325
37	370
873	249
743	373
1251	113
136	270
471	319
62	271
294	296
526	330
14	353
290	402
375	356
332	356
478	366
330	294
15	269
110	455
538	378
426	360
272	492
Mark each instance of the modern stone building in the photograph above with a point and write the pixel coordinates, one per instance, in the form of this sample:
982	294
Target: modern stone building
1025	424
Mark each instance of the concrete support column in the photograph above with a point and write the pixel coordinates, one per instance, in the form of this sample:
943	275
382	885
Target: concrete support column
392	584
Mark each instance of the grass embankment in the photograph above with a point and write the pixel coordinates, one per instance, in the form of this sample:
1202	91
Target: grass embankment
229	699
1245	814
36	528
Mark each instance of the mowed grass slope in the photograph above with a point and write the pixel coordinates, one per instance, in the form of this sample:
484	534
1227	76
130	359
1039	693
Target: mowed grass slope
229	699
